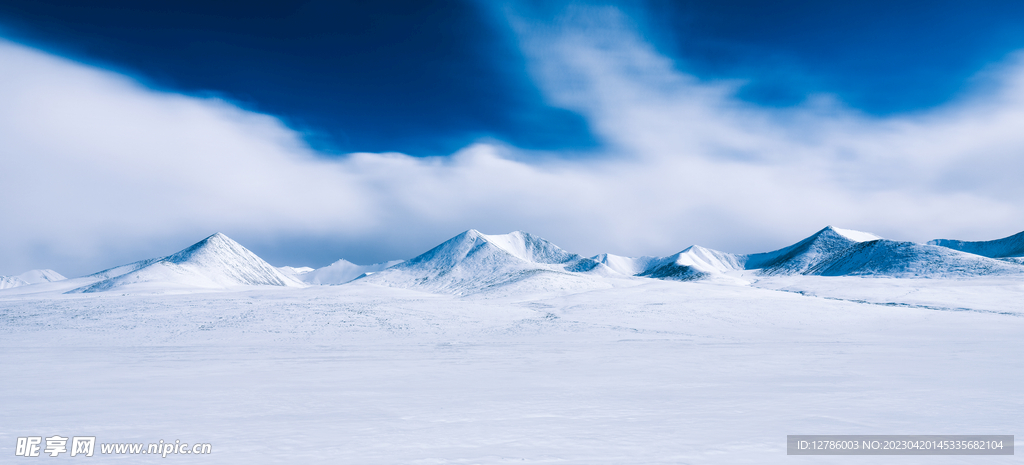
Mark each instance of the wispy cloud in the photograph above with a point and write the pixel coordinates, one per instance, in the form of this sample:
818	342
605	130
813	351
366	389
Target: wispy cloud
96	166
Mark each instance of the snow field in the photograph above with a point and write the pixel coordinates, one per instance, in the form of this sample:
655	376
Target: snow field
659	372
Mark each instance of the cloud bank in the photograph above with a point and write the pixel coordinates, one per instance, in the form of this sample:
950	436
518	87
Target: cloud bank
97	169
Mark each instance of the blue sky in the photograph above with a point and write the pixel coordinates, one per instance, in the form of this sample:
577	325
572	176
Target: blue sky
312	131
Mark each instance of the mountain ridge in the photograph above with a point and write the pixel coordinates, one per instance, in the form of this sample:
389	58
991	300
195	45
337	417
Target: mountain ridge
1007	247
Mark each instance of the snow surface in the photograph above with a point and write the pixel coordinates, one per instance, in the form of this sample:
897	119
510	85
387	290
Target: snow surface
342	271
660	372
216	262
1012	246
521	352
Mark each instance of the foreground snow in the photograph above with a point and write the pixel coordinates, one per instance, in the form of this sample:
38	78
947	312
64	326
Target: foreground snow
640	371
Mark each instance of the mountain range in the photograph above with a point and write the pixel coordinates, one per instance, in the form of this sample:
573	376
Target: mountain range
473	262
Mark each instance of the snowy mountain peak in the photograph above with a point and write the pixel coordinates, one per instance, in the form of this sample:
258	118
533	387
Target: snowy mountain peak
518	245
806	254
694	262
217	244
30	277
856	236
7	282
342	271
629	266
473	261
214	262
41	276
708	260
528	247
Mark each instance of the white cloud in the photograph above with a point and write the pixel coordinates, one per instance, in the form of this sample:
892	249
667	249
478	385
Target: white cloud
720	164
95	164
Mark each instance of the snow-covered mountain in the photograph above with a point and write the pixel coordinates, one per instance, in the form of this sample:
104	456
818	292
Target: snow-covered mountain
629	266
216	262
41	276
807	254
1012	246
909	260
834	252
341	272
30	277
7	282
123	269
472	262
294	271
694	263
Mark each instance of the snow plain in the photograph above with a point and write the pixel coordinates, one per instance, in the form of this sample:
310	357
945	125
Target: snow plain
636	370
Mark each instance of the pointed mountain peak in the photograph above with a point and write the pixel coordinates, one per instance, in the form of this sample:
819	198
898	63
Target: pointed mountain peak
855	236
214	262
41	276
697	249
217	238
804	255
343	271
530	248
473	261
218	244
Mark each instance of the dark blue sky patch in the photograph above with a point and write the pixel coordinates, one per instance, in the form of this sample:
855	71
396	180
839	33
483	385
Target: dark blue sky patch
424	77
881	57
